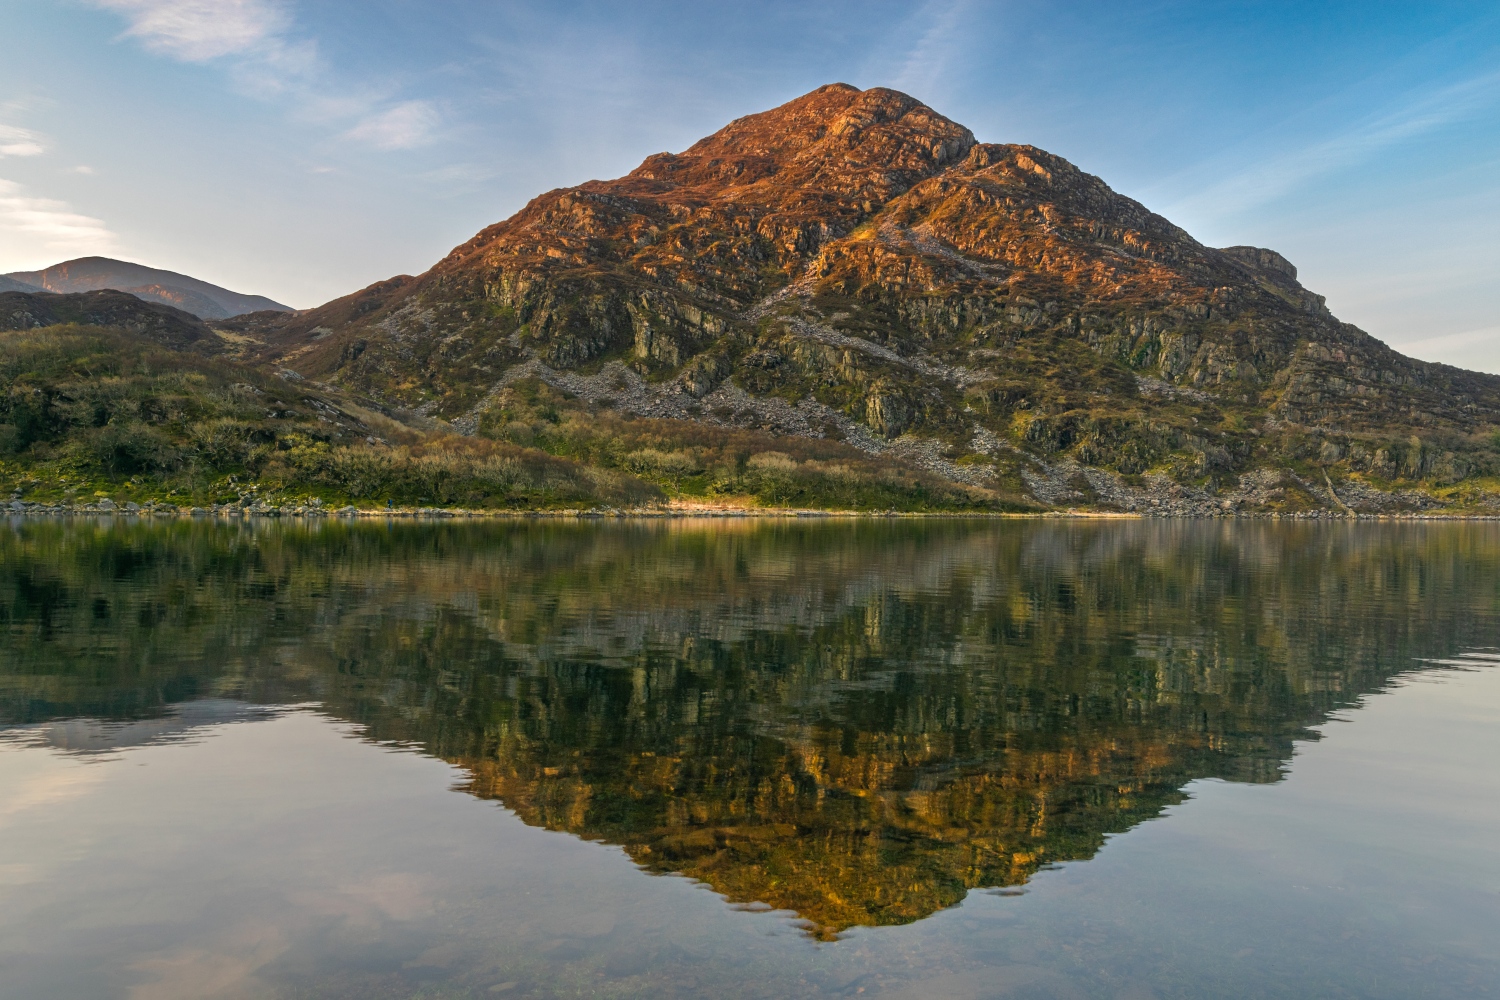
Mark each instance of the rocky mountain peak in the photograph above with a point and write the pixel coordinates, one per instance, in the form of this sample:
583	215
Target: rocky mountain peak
856	148
873	128
854	265
789	180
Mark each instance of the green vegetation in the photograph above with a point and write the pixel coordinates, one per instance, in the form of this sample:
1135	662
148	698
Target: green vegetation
91	412
88	412
706	462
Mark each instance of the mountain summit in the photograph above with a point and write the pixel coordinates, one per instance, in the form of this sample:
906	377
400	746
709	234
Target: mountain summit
854	265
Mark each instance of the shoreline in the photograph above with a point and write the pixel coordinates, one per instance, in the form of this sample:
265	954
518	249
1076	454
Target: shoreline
349	513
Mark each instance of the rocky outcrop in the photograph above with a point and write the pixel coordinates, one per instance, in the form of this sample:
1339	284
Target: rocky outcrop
857	254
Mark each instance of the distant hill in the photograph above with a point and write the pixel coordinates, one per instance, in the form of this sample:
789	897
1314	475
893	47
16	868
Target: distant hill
11	285
89	274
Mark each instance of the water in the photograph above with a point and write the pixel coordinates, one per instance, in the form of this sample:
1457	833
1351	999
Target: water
1021	759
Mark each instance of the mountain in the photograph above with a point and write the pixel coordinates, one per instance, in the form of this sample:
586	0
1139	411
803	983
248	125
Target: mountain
10	285
87	274
854	266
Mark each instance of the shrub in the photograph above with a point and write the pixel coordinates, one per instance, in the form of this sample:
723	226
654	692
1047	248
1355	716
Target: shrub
452	471
131	448
112	405
672	466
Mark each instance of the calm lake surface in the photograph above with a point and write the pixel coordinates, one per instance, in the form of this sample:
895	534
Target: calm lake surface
778	758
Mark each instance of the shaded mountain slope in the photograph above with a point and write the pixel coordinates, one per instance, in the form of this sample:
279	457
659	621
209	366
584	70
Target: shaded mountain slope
854	265
88	274
162	324
11	285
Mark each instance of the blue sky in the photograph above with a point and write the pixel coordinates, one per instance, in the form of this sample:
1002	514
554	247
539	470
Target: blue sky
304	148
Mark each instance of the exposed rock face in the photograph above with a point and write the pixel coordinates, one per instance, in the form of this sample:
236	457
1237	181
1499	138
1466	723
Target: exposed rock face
855	256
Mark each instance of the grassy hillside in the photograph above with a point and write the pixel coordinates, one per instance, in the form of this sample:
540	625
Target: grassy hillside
698	461
88	412
102	395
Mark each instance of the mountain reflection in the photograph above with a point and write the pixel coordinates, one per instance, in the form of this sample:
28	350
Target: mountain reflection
859	721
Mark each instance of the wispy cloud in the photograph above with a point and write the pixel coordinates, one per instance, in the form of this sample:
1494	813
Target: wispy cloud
199	30
942	24
15	141
402	126
29	225
256	42
1488	336
1277	176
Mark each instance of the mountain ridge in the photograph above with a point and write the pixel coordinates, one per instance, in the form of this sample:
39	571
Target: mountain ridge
855	265
88	274
846	302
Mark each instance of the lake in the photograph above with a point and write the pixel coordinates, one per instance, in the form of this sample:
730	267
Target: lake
749	758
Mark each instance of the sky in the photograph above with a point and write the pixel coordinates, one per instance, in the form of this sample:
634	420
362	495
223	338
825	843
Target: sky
303	149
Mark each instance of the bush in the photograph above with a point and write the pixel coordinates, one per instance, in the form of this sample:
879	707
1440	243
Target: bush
132	448
671	466
453	471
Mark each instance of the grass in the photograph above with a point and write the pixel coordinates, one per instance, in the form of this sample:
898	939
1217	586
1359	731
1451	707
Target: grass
88	412
712	463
